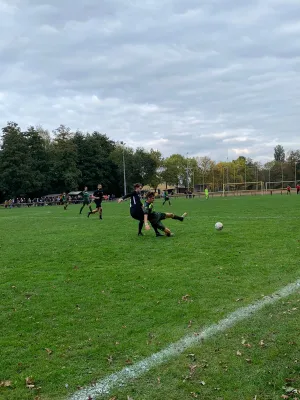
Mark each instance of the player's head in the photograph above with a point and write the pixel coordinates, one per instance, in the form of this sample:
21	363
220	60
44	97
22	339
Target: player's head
150	196
138	187
85	188
99	186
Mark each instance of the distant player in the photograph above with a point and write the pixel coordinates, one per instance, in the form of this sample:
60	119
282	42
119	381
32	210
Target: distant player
86	200
155	218
166	198
288	190
136	207
298	188
64	200
206	192
97	196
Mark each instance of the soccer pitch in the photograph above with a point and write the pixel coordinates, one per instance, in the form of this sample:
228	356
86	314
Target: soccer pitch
83	299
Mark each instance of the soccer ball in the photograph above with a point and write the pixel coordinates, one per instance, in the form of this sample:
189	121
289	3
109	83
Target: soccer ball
219	226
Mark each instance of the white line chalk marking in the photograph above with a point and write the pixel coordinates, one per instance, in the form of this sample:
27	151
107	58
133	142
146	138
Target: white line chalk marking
105	385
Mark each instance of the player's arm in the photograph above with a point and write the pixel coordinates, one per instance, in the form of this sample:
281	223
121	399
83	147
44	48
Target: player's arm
146	222
126	196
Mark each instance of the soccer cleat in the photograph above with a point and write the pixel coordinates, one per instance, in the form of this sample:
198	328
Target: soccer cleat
140	234
170	234
100	217
89	213
159	234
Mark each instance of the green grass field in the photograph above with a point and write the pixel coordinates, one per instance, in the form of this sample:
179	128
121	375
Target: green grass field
83	298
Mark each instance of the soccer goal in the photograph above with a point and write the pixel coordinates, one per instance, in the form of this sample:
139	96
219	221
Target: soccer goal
279	185
237	189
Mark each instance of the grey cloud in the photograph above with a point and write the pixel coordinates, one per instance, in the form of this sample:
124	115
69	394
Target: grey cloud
173	75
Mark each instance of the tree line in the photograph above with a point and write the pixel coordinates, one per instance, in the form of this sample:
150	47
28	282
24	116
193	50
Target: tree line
34	163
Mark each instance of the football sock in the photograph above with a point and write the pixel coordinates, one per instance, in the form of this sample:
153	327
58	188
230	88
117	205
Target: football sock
141	223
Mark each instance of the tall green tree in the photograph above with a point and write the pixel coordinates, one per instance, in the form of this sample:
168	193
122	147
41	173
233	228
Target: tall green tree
15	162
95	162
174	170
39	161
279	153
64	172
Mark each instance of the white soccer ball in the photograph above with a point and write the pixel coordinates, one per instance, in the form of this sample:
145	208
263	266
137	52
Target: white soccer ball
219	226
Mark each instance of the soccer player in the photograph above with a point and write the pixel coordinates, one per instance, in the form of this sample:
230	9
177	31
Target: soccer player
166	198
86	200
64	200
98	196
298	188
288	190
155	218
206	192
136	207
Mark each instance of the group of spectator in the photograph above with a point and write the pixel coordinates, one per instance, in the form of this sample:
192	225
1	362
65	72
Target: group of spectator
47	201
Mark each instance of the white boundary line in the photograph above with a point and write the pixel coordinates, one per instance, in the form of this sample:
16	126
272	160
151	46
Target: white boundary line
105	385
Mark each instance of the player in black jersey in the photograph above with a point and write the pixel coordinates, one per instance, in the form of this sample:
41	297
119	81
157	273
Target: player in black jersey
136	207
97	196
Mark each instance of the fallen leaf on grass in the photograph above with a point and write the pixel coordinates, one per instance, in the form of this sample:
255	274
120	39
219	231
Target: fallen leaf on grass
190	324
192	369
49	351
129	398
193	394
5	383
158	380
238	353
128	361
262	343
110	359
185	297
29	382
249	361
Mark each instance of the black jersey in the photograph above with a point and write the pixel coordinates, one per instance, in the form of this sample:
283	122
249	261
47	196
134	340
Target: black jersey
98	193
135	201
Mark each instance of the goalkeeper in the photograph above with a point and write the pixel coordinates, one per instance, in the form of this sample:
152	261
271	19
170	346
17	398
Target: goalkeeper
155	218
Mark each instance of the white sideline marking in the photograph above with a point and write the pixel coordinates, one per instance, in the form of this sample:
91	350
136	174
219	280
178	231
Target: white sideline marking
105	385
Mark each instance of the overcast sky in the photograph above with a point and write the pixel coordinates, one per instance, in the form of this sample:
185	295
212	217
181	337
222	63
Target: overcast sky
209	77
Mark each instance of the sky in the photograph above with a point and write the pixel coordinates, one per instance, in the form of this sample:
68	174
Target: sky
216	78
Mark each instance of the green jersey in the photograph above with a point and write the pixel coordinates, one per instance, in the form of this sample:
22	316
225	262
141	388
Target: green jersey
86	196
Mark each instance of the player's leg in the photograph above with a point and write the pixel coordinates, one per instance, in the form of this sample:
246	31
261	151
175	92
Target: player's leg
100	212
156	228
139	216
82	207
173	216
162	228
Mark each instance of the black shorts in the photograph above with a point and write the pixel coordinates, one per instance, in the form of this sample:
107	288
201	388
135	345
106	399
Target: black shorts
98	203
137	214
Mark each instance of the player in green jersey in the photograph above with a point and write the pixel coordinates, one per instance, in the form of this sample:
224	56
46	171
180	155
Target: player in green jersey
206	192
166	198
155	218
86	200
64	200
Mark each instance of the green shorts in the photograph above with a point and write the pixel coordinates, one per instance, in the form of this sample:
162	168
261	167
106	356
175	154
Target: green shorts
156	219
